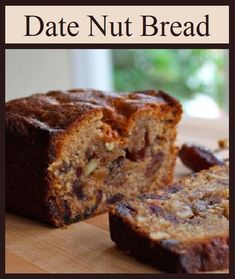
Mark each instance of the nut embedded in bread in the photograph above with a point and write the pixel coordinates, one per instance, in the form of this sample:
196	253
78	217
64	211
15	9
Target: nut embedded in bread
72	154
181	228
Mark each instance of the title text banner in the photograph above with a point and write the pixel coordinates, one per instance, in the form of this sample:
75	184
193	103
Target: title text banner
117	24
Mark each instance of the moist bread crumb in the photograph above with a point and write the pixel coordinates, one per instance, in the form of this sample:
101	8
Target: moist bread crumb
71	154
181	228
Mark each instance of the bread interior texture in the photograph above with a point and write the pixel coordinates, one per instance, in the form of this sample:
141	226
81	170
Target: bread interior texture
98	164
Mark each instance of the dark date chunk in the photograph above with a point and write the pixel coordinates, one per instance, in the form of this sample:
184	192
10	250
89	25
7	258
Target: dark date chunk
174	188
115	198
156	209
153	196
155	164
67	212
78	189
115	176
79	171
136	155
159	211
198	158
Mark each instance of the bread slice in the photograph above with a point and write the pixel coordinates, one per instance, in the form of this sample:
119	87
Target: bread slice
183	228
72	154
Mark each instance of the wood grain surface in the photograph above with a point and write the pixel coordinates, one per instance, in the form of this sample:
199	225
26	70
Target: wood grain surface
86	247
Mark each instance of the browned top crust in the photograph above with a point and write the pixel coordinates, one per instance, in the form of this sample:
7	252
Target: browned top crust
56	110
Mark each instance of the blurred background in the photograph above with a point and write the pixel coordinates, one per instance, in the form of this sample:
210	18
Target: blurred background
197	77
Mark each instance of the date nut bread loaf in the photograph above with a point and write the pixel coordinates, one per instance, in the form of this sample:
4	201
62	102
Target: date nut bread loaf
181	228
72	154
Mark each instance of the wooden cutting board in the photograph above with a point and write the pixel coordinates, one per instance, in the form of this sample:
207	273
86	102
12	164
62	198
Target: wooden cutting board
86	247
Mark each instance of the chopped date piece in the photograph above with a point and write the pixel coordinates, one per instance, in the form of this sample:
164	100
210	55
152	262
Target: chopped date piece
174	189
115	176
160	139
67	212
79	171
136	155
153	196
147	138
139	154
115	198
170	217
159	211
197	157
78	189
155	164
155	209
99	196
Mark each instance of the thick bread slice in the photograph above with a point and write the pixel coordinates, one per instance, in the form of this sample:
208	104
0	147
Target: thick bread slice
183	228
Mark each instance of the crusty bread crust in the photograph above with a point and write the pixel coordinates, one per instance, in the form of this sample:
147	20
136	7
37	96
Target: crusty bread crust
175	235
55	111
46	133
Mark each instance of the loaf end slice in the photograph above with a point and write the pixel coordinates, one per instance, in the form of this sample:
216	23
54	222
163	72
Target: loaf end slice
183	228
